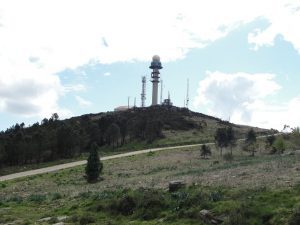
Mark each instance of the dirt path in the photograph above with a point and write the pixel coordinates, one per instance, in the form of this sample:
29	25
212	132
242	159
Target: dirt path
78	163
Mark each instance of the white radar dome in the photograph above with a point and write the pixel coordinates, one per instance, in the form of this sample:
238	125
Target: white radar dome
156	58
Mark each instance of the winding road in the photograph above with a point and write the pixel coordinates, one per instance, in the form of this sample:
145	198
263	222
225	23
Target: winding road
82	162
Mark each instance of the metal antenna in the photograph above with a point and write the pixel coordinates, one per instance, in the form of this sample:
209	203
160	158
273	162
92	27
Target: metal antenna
161	91
187	94
134	102
143	95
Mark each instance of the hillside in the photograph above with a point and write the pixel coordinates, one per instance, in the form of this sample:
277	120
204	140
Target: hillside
137	128
247	190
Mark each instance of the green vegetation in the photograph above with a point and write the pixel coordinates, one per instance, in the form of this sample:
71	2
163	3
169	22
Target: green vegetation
150	206
94	166
250	142
258	190
205	151
279	145
225	137
138	128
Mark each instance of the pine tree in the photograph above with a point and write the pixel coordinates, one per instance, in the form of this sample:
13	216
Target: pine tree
94	165
251	141
204	151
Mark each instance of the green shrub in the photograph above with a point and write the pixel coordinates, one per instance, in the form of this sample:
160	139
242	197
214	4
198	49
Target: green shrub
150	153
126	205
181	198
295	218
86	219
279	145
150	204
228	157
36	198
215	196
85	195
15	198
236	217
56	196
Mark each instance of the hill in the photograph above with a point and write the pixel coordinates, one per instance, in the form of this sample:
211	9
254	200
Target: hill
259	190
136	128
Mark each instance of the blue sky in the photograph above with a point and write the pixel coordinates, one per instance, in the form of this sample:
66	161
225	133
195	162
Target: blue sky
242	61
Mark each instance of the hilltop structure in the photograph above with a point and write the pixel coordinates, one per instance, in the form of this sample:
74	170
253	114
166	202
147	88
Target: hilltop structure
155	66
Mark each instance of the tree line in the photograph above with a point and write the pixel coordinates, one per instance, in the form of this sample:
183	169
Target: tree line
53	139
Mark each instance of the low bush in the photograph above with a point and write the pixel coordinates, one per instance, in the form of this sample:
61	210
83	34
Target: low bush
295	218
15	198
56	196
126	205
86	219
228	157
236	217
36	198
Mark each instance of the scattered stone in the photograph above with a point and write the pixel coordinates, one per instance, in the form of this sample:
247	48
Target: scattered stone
45	219
62	218
161	220
176	185
297	152
288	153
208	217
60	223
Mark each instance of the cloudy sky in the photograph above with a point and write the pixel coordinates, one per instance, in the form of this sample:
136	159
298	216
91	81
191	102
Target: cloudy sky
83	56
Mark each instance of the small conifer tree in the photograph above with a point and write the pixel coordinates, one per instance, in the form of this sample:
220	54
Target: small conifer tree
94	165
204	151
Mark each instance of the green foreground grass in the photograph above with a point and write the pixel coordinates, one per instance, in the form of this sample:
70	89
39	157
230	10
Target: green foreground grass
157	206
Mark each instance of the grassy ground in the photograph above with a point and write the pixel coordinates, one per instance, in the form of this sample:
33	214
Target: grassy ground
264	189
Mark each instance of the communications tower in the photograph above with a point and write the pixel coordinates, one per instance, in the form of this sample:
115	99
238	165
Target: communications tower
143	95
155	66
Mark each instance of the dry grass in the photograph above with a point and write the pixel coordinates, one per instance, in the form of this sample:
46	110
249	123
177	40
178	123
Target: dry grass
157	169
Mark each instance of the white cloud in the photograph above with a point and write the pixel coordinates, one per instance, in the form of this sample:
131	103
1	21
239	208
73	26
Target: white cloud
82	102
243	98
74	87
29	91
56	37
107	74
284	20
39	39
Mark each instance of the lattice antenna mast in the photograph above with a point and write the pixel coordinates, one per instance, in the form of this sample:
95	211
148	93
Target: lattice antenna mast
143	95
187	94
161	91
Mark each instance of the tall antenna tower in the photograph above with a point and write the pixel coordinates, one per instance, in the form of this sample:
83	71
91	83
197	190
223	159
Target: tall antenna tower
143	95
155	66
161	91
187	94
